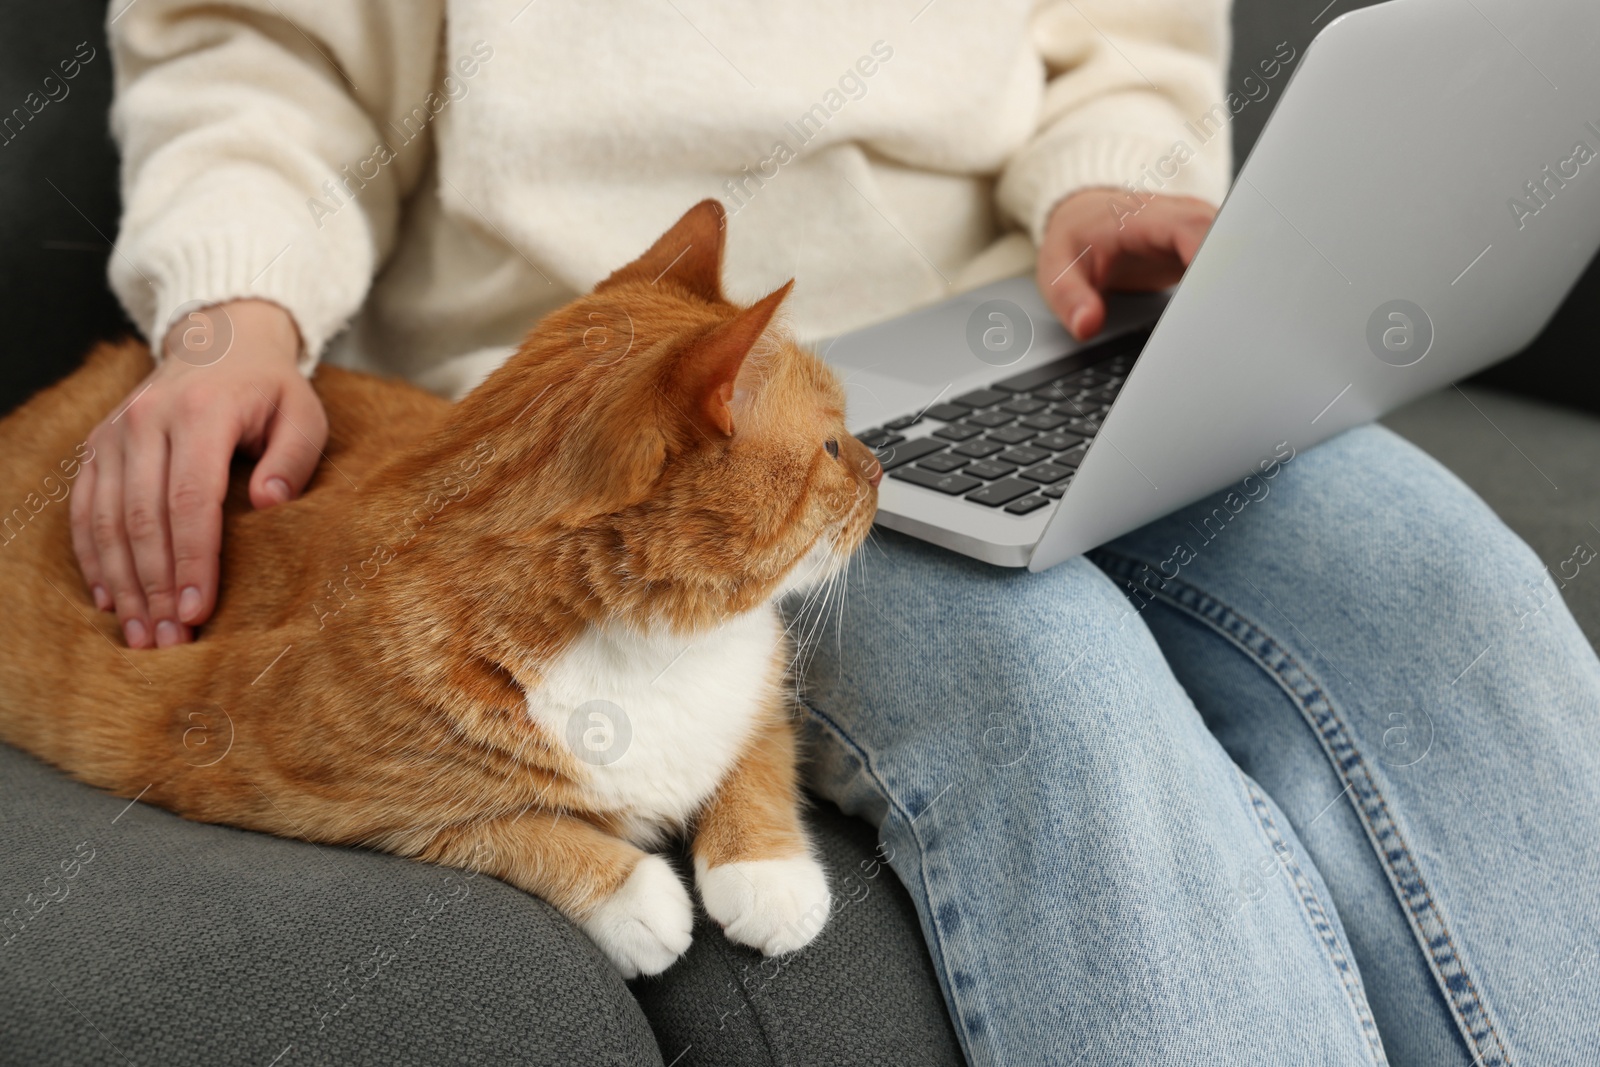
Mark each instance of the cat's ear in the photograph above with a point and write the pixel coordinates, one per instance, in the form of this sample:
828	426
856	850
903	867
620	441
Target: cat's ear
705	373
689	254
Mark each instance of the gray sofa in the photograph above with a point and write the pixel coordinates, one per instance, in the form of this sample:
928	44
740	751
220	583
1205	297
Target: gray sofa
134	936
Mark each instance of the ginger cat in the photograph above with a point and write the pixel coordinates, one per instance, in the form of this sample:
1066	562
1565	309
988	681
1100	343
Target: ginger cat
534	632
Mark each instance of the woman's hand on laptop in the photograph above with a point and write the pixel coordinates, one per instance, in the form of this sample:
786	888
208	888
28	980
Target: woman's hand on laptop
1097	240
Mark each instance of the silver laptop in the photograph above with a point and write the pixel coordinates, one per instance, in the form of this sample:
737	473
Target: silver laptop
1422	199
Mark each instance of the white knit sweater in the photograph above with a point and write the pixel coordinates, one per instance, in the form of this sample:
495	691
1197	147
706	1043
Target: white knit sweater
416	181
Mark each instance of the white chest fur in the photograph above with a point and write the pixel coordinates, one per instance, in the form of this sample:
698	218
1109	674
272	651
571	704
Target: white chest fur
658	719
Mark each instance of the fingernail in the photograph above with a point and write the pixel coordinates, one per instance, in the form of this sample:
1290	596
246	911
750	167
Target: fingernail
133	631
278	489
189	603
102	599
167	633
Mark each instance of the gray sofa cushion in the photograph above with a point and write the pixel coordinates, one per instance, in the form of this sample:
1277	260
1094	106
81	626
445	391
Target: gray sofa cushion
167	941
863	993
182	943
1537	465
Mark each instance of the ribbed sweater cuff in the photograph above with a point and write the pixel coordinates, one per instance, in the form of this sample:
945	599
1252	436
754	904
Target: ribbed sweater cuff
214	268
1087	161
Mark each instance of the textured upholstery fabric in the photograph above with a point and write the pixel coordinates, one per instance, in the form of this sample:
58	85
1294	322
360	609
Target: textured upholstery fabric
864	994
181	943
174	942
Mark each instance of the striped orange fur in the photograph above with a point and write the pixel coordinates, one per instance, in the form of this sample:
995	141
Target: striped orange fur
652	468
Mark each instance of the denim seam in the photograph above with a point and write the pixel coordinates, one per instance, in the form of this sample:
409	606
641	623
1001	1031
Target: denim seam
871	773
1315	914
1380	824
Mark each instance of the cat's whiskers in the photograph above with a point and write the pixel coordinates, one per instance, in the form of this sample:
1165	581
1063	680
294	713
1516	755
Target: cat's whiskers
838	560
799	663
796	667
806	603
844	595
805	585
805	652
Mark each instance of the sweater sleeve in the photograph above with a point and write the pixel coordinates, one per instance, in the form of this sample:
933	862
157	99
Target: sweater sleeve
267	146
1127	84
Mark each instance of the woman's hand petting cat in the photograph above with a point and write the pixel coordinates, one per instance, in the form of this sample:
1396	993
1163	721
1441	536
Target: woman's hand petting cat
147	513
1097	240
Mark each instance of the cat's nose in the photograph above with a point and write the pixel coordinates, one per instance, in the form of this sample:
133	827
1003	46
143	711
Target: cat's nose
875	474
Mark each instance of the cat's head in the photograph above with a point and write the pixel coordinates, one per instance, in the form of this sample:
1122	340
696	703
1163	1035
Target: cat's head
686	440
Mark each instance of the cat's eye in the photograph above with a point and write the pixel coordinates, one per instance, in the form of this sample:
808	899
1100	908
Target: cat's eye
831	447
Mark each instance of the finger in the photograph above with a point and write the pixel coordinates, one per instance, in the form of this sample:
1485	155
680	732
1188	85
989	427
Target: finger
1074	295
1188	238
82	519
1167	227
197	483
1151	254
111	541
295	436
144	516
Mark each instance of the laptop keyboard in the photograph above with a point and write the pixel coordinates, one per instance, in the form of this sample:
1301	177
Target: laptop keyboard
1015	444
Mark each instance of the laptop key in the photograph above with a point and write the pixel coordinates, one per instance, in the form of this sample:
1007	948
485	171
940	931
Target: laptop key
1054	491
1123	348
947	412
897	455
978	449
879	438
1003	492
1045	421
1076	409
990	419
1045	473
1026	504
1023	456
989	470
952	484
1071	457
982	398
943	462
1024	405
1011	435
1055	442
902	423
958	431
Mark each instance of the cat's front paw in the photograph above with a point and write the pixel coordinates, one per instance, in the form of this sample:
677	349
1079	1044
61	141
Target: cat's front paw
776	906
645	925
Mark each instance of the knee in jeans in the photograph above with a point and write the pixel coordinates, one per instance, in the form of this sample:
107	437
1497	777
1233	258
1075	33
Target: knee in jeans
1382	518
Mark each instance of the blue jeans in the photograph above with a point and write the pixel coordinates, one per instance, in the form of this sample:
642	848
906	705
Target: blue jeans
1320	786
